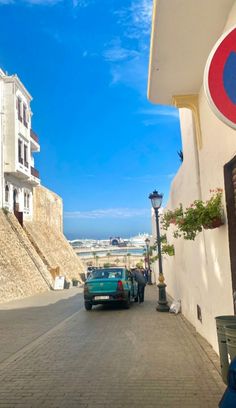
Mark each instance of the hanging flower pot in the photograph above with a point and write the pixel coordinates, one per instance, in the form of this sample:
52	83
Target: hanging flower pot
214	223
200	214
212	216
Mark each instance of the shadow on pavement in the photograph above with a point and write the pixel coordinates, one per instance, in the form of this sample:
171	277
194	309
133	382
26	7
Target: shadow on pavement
20	327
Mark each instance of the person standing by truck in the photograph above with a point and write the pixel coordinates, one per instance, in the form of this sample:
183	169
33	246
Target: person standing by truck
140	279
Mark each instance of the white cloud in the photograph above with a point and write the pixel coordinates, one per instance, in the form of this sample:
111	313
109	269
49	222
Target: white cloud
128	65
159	114
161	111
43	2
80	3
132	73
116	53
115	76
33	2
74	3
120	58
148	178
119	54
109	213
170	176
142	12
136	18
159	120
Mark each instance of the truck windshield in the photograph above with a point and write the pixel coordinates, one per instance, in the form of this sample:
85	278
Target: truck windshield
107	274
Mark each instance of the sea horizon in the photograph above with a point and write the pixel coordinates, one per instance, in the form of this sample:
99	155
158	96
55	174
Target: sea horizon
73	237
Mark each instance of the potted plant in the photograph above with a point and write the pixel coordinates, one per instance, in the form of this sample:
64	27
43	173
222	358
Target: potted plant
200	214
171	217
189	225
213	214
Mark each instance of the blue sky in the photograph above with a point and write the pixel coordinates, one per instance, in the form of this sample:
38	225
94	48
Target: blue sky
104	147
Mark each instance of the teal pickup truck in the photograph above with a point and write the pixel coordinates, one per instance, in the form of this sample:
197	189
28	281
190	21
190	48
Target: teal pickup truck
109	285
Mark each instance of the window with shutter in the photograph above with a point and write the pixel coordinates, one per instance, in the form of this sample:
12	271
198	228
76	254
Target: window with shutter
26	156
25	115
19	107
20	158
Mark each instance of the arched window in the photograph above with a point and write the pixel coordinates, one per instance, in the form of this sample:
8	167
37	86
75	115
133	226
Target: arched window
6	193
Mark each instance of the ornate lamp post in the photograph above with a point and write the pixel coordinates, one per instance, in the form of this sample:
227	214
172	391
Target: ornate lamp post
147	242
162	305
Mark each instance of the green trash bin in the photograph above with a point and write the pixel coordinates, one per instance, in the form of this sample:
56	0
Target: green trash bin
221	322
230	335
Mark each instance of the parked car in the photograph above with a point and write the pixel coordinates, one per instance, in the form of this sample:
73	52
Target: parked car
109	285
229	397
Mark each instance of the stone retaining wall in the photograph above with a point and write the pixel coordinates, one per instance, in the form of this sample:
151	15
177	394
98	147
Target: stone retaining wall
22	271
55	248
46	234
48	208
30	255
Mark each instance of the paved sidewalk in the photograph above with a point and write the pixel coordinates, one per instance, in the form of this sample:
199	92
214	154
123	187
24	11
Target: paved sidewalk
111	357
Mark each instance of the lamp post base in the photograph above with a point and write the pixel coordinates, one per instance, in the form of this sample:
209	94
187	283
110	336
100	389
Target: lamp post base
162	304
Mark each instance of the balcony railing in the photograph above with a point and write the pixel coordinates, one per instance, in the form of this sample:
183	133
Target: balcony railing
34	136
34	172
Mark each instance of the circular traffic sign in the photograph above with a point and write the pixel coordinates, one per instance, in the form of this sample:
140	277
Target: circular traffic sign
220	78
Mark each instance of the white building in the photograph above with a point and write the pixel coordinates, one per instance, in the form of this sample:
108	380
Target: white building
203	272
1	141
18	144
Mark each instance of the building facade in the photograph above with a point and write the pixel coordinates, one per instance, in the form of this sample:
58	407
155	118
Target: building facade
18	145
202	273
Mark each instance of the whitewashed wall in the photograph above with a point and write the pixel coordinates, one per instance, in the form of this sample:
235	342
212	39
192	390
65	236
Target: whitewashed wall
199	273
1	141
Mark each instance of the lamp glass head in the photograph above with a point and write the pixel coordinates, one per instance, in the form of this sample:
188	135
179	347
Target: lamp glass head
156	199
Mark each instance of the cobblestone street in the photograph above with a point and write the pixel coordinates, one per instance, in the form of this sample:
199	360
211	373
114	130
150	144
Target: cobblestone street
56	354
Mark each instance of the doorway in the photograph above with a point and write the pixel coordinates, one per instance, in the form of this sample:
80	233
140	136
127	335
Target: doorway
230	193
15	200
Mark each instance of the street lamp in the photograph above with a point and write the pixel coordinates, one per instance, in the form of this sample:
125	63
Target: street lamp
162	305
147	242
